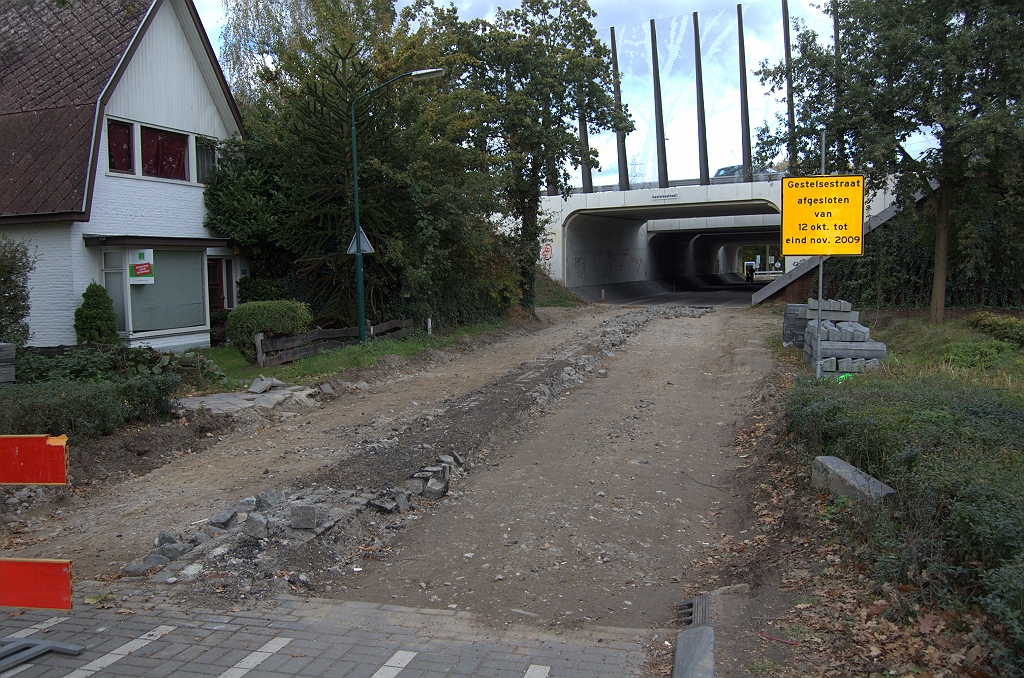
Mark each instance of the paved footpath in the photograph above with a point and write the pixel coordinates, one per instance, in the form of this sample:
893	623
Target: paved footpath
147	633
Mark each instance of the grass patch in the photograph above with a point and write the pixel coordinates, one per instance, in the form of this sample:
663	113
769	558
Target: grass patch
240	372
765	666
943	424
552	293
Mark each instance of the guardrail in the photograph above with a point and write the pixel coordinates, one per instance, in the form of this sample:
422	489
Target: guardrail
286	349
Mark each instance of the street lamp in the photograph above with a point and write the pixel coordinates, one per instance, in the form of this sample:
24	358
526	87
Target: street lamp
415	76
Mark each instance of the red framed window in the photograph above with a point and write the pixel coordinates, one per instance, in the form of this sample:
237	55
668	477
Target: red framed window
164	154
119	147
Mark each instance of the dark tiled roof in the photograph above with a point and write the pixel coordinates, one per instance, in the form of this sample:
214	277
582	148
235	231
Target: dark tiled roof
54	62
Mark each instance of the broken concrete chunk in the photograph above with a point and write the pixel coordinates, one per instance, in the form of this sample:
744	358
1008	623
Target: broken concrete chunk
200	538
435	489
602	374
155	559
446	459
173	551
213	531
225	520
459	459
256	525
139	570
326	389
165	538
848	481
245	505
401	501
304	517
416	485
384	505
268	499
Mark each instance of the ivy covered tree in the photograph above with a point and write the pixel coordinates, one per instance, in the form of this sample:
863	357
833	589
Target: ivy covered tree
948	71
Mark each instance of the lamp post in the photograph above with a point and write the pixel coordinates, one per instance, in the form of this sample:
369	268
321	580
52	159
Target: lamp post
416	76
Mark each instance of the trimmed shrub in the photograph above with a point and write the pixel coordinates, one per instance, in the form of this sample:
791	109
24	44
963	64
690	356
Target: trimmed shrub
83	409
261	289
95	321
999	326
273	318
15	266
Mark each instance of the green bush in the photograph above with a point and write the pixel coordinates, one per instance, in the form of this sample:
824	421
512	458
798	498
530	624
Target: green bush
999	326
954	452
976	354
15	266
261	289
82	409
272	318
95	321
74	364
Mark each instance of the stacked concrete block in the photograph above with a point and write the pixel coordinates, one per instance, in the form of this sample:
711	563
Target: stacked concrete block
841	343
794	323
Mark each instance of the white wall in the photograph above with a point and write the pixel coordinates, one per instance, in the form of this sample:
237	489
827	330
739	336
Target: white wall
602	251
55	287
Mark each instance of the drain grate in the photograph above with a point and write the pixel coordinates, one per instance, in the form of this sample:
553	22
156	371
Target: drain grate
694	612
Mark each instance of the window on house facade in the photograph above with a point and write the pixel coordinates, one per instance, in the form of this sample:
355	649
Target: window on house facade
119	147
206	157
176	298
113	282
164	154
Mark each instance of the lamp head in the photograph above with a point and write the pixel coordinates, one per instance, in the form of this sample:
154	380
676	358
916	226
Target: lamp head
427	74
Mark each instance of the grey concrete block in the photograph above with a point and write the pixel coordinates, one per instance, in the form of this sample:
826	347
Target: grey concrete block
401	501
845	305
139	570
303	517
225	520
416	485
857	365
214	531
851	349
155	559
872	364
326	389
384	504
245	505
812	304
844	365
173	551
200	538
256	525
259	385
848	481
268	499
695	653
828	365
165	538
435	489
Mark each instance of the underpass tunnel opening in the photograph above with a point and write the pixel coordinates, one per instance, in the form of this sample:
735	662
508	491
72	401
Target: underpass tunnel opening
714	256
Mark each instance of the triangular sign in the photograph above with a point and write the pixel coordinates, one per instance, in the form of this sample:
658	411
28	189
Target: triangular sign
364	244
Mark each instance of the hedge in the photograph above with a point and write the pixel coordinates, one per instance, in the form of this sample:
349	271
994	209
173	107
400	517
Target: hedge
999	326
281	318
83	409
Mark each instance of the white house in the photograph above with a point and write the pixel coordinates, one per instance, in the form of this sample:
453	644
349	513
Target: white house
107	113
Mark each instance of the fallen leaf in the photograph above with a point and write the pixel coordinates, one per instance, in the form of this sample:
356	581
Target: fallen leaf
927	623
876	609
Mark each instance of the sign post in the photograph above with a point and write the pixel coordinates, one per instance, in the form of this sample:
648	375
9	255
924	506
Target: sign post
823	216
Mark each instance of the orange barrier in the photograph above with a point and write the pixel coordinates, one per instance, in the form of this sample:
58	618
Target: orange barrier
42	584
33	460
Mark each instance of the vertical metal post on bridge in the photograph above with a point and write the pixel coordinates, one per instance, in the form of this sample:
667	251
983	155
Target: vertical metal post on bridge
620	138
748	170
790	115
588	179
702	128
659	115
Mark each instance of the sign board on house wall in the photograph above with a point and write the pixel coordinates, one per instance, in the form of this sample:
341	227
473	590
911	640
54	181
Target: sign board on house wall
823	216
140	267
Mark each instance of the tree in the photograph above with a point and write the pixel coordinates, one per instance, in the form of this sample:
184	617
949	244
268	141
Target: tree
536	66
95	320
948	69
16	264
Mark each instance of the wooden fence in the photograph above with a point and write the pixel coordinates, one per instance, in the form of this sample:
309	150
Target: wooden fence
287	349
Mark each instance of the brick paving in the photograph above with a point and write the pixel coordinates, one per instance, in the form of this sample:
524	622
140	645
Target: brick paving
148	633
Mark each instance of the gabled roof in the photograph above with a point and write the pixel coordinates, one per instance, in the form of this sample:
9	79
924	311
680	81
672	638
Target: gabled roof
58	67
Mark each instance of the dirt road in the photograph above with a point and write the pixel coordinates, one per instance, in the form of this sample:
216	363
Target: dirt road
585	506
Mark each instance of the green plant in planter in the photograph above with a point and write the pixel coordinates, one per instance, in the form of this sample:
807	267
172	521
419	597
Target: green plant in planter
95	321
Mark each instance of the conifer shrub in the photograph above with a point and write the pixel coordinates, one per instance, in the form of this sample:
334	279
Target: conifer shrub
1001	327
16	263
282	318
95	321
261	289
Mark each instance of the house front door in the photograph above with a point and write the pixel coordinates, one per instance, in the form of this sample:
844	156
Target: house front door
215	280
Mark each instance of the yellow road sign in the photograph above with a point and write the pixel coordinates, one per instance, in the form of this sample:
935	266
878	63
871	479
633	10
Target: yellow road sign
823	216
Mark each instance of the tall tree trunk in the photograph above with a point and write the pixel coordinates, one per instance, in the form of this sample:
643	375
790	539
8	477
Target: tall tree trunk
938	308
530	250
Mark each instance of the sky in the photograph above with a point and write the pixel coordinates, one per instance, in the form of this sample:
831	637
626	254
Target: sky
763	37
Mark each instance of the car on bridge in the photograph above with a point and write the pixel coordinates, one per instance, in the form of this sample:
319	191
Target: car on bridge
759	173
